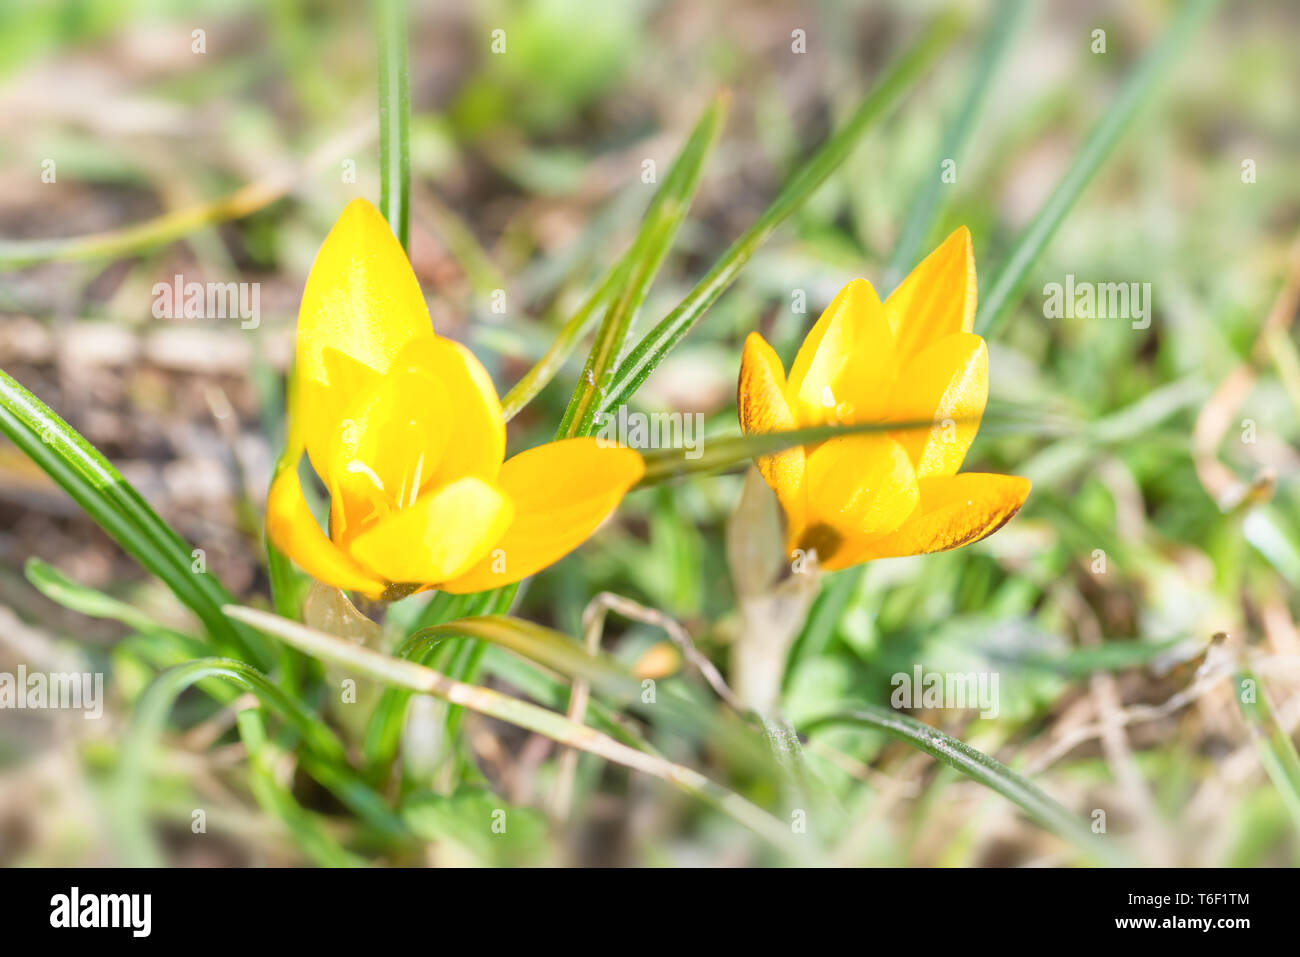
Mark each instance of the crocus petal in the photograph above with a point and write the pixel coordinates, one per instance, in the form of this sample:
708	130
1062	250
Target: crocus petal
955	510
561	492
293	530
760	399
858	488
446	531
947	383
362	300
936	299
846	365
476	441
387	448
316	409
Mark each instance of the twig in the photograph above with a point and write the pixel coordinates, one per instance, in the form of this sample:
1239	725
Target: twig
1219	412
593	626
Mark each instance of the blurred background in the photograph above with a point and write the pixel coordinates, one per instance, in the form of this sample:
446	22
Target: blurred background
1164	459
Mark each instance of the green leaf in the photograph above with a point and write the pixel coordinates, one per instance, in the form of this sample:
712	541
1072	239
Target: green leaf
979	767
544	370
897	79
480	823
276	798
562	653
658	231
1276	750
1096	148
547	647
732	451
101	491
59	588
632	273
503	707
384	730
1266	531
134	239
327	759
1004	22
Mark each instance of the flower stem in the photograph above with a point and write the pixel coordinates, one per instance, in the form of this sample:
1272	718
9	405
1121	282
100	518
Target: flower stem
394	119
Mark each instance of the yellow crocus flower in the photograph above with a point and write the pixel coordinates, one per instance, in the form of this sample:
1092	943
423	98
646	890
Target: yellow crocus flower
911	358
405	430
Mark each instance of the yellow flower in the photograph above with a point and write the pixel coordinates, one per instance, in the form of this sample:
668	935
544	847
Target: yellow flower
405	430
912	358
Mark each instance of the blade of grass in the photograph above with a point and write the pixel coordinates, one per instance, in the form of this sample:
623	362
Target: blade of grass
1096	148
286	585
384	730
466	639
980	767
61	589
670	204
731	451
413	677
309	833
897	79
137	238
545	369
394	119
101	491
545	686
155	643
550	648
647	255
1004	23
1276	751
328	751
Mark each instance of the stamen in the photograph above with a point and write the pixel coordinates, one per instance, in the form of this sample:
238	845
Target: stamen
415	482
357	467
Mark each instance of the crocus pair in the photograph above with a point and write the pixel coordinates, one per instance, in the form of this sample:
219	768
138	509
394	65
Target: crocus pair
405	431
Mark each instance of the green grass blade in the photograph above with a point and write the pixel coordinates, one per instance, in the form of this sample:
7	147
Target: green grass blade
320	739
647	254
394	119
176	224
669	206
413	677
288	586
1098	146
732	451
135	239
545	369
61	589
570	658
551	648
1276	750
312	838
1004	23
101	491
384	729
980	767
897	79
